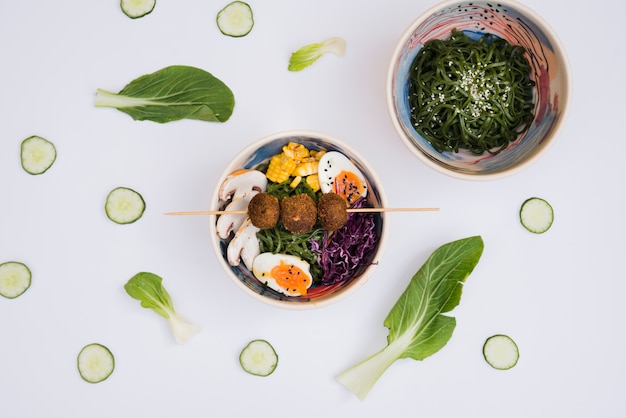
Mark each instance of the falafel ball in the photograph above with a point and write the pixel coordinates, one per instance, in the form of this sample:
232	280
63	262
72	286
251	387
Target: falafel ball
331	211
264	210
298	213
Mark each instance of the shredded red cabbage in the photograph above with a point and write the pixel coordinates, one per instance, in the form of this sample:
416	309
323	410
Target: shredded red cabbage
346	252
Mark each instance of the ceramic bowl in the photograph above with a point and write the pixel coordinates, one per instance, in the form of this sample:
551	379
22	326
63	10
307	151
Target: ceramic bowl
260	152
517	24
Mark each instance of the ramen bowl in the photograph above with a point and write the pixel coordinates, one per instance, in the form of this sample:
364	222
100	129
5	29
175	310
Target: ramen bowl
237	256
515	23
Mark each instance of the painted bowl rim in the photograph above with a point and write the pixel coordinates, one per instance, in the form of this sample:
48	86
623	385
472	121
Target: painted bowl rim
441	167
324	300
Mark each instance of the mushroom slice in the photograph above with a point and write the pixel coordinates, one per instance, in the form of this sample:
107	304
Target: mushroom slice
242	182
229	222
244	246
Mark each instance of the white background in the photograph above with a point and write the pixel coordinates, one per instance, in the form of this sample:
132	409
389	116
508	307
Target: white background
559	295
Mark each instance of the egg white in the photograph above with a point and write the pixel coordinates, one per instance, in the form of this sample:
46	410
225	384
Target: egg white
264	263
330	165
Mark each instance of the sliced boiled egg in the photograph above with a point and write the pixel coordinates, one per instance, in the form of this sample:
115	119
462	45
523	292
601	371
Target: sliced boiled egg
284	273
337	174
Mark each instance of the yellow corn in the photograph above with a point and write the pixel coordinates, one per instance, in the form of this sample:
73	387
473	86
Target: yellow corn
313	181
295	151
296	180
317	154
280	168
306	168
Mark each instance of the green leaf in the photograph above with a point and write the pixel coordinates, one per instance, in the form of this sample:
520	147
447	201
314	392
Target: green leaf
149	290
435	289
417	326
308	54
172	93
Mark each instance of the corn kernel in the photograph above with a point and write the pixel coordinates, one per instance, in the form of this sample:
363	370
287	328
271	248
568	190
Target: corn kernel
317	154
295	182
313	181
306	168
296	151
280	168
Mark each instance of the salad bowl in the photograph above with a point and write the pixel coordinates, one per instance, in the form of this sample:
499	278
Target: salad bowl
331	289
515	23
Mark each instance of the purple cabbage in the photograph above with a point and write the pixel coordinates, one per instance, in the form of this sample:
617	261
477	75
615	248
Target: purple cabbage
347	251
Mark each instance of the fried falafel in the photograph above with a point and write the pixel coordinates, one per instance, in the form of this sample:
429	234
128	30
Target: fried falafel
331	211
264	210
298	213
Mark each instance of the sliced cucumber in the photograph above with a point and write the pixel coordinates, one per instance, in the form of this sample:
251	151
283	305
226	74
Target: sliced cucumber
38	155
14	279
235	19
124	205
95	363
536	215
501	352
137	8
258	358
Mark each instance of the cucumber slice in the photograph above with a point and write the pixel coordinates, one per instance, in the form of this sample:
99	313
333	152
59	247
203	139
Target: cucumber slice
95	363
258	358
235	19
536	215
124	205
38	155
14	279
137	8
501	352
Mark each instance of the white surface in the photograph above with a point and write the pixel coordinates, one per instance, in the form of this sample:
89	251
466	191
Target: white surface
559	295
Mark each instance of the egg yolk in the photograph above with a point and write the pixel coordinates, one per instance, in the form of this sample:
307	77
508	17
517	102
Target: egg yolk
349	186
291	278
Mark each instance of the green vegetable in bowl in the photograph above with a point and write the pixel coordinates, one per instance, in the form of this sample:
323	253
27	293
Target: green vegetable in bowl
148	288
308	54
417	326
172	93
473	95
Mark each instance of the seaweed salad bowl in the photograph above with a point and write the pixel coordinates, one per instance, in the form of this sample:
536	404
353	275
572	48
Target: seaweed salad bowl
549	94
362	238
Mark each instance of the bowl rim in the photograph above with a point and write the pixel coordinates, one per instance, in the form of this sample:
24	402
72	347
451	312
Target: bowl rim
326	300
565	100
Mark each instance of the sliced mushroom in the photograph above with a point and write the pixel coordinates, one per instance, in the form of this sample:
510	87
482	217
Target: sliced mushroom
242	182
244	246
230	222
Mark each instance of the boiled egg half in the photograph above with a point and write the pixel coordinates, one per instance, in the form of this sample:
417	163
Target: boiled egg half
284	273
337	174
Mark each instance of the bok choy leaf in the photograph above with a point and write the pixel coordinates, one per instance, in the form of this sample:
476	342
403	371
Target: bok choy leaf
417	326
172	93
308	54
149	290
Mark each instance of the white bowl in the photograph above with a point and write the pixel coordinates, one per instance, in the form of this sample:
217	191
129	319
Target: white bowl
259	152
519	25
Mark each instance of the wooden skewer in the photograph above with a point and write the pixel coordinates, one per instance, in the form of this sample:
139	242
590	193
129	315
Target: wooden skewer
243	212
392	210
209	212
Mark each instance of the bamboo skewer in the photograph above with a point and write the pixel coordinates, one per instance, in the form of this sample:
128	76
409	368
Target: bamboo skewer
243	212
